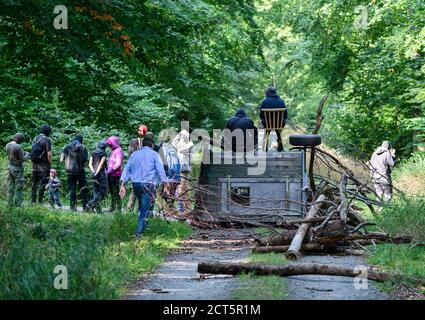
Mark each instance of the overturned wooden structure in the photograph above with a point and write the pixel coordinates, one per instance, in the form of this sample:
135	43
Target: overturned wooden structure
266	187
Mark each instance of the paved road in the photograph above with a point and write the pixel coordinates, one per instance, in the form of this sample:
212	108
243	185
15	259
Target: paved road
318	287
177	278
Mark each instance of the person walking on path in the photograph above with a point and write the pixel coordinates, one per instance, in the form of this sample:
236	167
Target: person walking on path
135	145
41	157
184	145
54	189
273	101
75	156
114	171
144	169
381	163
15	175
97	166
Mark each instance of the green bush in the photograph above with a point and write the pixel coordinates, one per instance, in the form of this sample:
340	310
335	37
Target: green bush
98	250
404	216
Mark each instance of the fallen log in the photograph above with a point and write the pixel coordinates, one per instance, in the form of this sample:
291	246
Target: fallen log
312	248
283	249
334	232
213	267
294	248
283	238
378	236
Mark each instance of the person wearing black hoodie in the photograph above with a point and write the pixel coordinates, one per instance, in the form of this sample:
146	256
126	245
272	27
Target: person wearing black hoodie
242	122
273	101
41	157
75	156
97	164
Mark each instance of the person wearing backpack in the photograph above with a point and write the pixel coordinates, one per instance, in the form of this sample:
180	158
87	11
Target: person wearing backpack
15	178
75	157
171	163
41	158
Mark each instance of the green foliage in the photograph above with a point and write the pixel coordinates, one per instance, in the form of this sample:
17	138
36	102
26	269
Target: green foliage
368	55
400	259
252	287
404	216
121	63
268	258
98	250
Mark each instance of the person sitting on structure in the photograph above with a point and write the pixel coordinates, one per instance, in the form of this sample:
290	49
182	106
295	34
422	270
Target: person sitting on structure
248	129
381	163
273	101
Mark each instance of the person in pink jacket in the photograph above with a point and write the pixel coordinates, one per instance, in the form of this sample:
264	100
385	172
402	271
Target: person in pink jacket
114	171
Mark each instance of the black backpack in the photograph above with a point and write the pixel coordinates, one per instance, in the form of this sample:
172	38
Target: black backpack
38	151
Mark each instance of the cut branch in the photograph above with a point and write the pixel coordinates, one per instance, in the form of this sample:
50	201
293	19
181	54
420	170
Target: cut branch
293	251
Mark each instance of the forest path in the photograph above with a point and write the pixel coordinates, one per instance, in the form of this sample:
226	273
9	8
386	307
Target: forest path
178	279
320	287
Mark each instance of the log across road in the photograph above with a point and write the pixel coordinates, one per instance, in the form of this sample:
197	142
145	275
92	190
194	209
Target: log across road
213	267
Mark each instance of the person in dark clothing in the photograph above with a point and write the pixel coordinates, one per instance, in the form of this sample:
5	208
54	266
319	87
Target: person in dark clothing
273	101
250	132
15	178
97	166
41	157
75	156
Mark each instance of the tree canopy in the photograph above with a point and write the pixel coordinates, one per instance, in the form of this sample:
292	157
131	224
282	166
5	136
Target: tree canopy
125	62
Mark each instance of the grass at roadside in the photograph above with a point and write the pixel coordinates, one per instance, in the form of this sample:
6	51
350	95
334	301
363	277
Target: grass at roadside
400	259
252	287
98	251
403	216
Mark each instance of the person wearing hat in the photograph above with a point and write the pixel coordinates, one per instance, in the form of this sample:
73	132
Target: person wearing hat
380	165
97	164
54	189
135	145
41	157
15	175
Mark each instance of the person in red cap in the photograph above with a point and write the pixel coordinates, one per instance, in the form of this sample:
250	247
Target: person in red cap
135	145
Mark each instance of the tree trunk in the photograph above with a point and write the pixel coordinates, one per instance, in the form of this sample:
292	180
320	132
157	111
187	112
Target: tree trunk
283	249
294	249
300	269
283	238
332	233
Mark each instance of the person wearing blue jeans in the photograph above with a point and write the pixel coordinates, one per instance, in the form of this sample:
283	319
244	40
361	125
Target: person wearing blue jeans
145	192
144	168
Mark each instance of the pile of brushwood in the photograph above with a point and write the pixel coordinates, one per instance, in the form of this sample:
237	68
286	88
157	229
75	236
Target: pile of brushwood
332	225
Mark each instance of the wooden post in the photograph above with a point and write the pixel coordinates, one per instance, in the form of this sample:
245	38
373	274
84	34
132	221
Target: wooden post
343	211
